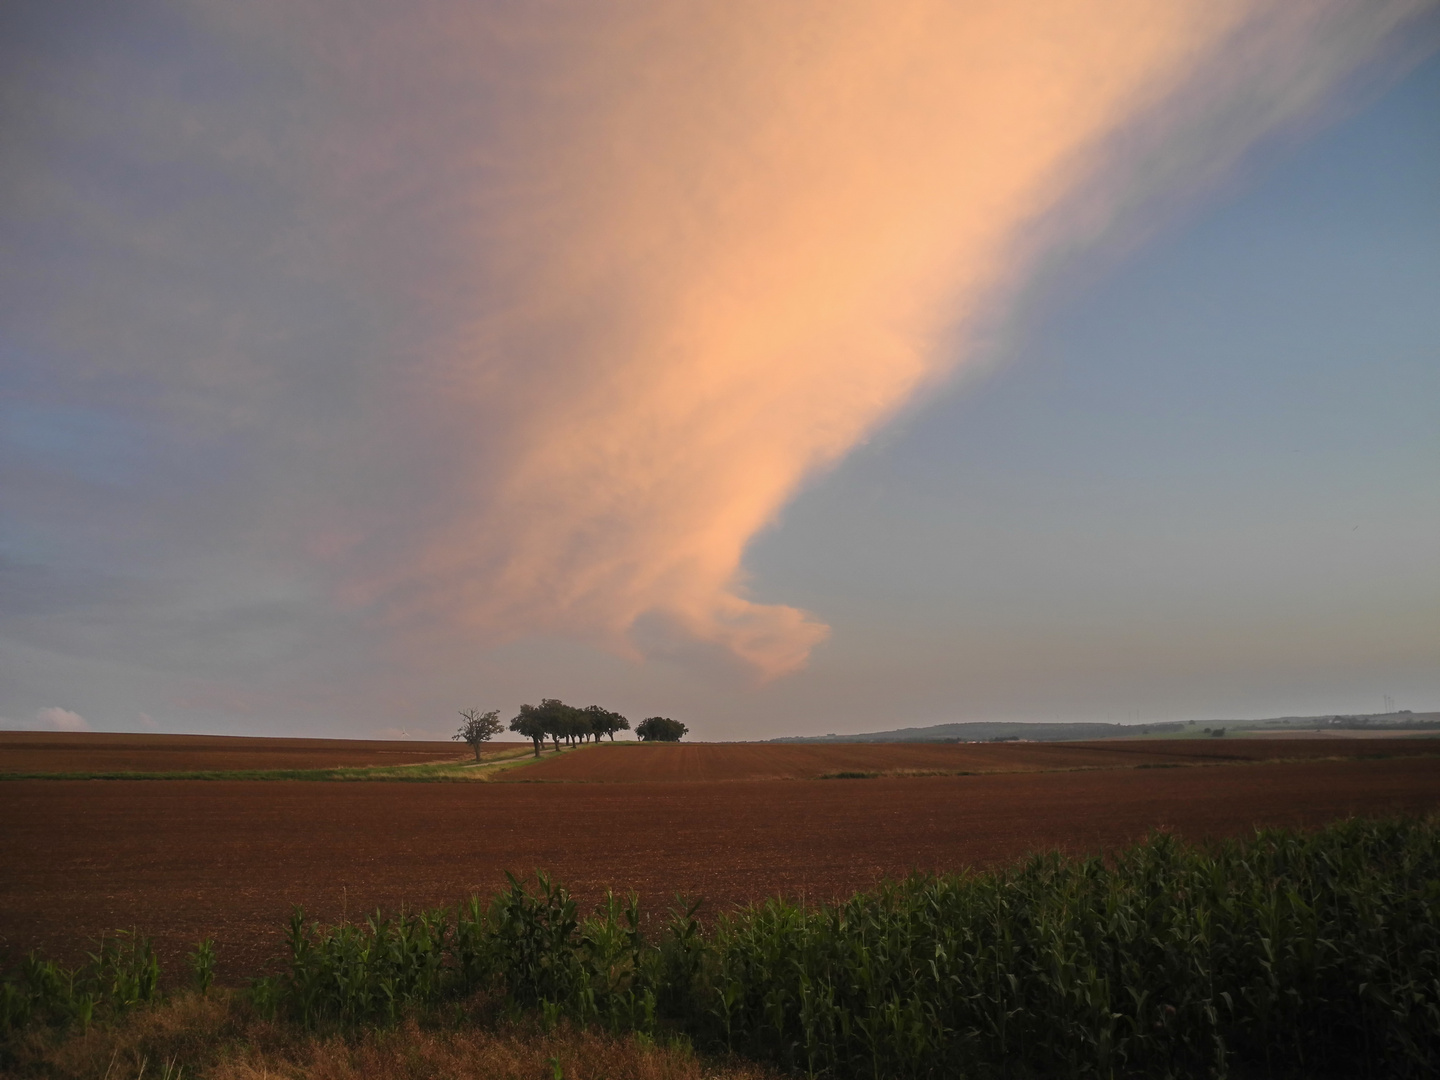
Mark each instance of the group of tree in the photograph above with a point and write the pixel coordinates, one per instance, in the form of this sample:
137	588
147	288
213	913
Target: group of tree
553	719
660	729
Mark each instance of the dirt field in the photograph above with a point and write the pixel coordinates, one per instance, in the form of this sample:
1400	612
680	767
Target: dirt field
49	751
628	762
689	762
1340	733
182	859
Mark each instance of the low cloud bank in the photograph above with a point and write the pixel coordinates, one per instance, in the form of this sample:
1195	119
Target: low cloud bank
53	718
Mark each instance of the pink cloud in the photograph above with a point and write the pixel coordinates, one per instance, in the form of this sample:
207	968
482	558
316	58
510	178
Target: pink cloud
672	261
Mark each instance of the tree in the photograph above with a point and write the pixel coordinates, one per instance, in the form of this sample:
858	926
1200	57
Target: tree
558	724
532	724
478	728
554	720
605	722
577	724
661	729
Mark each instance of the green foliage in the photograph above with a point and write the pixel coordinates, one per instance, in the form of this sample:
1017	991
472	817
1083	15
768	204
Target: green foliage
604	722
661	729
202	964
555	720
531	947
122	973
1286	954
363	973
552	718
533	723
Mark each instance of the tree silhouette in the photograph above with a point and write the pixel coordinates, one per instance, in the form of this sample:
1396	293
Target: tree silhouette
478	728
532	724
605	722
661	729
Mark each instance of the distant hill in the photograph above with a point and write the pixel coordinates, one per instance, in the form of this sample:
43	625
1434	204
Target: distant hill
986	732
1062	732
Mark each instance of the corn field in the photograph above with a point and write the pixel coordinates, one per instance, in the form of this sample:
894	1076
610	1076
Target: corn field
121	973
1285	954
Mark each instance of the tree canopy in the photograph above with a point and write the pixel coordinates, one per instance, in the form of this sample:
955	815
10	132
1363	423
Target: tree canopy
532	724
554	720
605	722
661	729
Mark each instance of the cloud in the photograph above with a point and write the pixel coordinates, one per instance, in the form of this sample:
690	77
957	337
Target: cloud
727	244
61	719
49	719
616	280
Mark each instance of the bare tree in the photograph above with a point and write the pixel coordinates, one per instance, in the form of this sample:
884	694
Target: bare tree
478	728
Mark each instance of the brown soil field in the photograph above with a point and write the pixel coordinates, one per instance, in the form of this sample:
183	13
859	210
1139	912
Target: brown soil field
71	752
1341	733
182	859
689	762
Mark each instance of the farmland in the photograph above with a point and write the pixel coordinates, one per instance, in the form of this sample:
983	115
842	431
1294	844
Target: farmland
182	859
75	752
80	755
682	762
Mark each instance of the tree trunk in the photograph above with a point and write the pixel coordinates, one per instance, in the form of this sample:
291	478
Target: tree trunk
476	748
537	743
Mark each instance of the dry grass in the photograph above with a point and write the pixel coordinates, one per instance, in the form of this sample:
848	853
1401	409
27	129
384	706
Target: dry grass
220	1037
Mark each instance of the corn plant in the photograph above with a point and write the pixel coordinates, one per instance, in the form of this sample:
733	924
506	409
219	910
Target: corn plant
122	972
353	974
202	964
1285	954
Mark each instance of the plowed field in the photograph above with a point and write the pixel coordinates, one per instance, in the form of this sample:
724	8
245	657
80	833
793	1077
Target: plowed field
687	762
62	752
181	859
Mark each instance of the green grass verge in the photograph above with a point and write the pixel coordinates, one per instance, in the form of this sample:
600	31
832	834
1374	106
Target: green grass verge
427	773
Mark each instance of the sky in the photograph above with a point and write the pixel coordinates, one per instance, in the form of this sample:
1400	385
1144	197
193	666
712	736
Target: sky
781	368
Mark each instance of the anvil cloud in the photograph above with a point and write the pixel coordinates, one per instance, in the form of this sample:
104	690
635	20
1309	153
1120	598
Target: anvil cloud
495	320
720	244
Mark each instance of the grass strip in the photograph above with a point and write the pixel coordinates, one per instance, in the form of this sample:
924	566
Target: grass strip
425	772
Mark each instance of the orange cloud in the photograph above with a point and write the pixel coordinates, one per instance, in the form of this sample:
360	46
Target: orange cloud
715	246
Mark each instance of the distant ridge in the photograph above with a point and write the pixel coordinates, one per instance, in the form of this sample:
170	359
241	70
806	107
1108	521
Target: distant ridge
982	731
